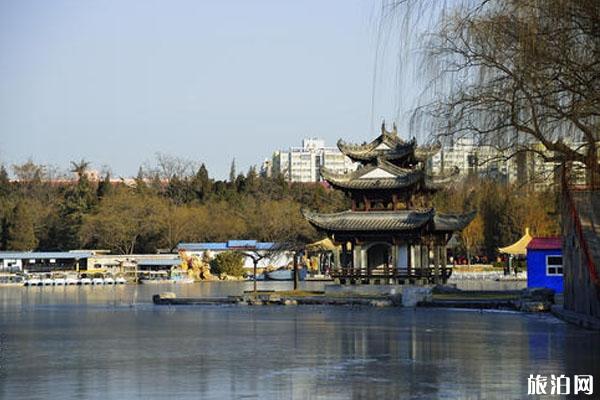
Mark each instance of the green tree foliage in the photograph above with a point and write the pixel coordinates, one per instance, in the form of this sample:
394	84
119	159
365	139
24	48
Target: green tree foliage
187	223
504	211
20	232
104	187
5	186
228	262
202	184
232	171
78	200
124	222
158	214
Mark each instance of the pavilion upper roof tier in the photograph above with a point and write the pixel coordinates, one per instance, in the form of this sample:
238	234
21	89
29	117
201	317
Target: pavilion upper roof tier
389	221
381	174
389	146
441	182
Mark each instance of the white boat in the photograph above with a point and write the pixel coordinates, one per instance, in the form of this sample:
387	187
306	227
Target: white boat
180	277
86	281
183	279
48	282
60	281
98	281
72	281
109	281
285	275
120	281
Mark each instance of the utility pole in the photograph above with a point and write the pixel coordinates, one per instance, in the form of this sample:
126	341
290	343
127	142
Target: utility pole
295	270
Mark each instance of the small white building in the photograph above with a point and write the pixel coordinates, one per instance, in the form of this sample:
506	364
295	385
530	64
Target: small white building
272	258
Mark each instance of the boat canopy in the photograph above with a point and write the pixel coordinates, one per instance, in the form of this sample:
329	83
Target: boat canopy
519	247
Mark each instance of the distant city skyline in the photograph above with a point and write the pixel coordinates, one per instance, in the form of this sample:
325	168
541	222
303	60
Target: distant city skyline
115	82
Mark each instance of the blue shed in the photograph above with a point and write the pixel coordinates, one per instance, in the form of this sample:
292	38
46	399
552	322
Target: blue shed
545	263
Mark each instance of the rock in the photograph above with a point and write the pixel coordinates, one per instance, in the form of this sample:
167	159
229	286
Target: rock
538	294
380	303
396	299
413	295
535	306
441	289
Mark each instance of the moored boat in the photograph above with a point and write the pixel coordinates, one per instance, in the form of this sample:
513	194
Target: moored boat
86	281
109	281
283	274
120	281
98	281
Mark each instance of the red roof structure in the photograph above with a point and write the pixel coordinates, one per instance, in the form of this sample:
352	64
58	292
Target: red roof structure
545	243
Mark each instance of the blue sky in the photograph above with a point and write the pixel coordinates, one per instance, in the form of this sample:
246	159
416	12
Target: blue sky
117	81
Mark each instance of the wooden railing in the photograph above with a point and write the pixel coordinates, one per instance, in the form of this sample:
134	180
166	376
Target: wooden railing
389	273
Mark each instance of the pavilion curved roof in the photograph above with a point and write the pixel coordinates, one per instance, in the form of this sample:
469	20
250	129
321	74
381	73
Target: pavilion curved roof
423	153
360	221
379	175
386	221
452	222
387	145
519	247
440	182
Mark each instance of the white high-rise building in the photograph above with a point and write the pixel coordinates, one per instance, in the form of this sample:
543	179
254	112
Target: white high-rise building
303	164
527	169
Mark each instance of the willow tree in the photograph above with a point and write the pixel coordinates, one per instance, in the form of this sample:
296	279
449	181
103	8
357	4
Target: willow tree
522	76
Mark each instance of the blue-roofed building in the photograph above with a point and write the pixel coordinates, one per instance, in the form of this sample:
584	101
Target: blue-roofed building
214	248
230	245
154	264
33	261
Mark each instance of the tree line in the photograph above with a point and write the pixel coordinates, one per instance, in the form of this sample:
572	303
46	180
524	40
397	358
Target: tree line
156	212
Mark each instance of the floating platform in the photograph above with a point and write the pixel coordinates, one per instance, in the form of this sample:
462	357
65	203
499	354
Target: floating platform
272	299
189	301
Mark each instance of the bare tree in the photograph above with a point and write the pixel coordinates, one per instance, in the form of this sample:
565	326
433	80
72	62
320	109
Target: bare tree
29	171
168	166
522	76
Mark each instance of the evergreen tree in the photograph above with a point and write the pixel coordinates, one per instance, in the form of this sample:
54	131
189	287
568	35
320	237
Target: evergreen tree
201	183
240	184
180	190
20	233
252	180
104	187
4	182
78	200
232	175
139	179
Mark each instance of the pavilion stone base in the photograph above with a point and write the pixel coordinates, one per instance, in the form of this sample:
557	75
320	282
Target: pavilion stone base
410	294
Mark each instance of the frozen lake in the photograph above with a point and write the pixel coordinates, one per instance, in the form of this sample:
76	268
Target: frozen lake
112	343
